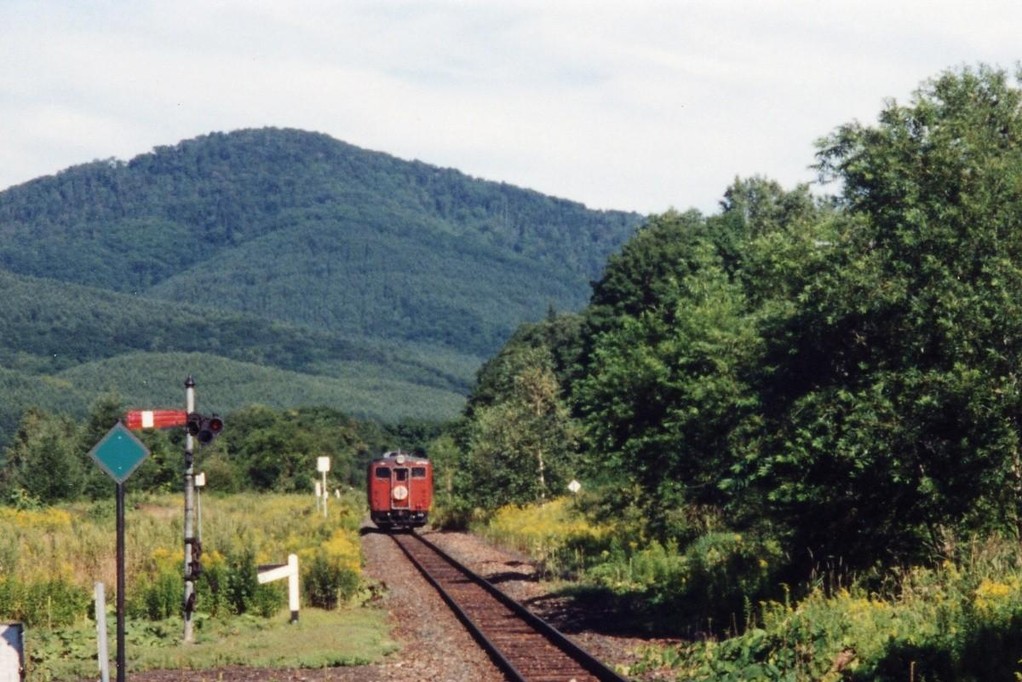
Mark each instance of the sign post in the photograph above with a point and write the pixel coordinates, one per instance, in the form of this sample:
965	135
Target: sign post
119	453
271	572
323	466
12	652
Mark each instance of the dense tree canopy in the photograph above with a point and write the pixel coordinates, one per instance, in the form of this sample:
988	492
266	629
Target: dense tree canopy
898	385
285	250
261	449
839	372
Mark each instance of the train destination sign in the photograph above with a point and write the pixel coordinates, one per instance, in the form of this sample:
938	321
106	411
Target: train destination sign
119	453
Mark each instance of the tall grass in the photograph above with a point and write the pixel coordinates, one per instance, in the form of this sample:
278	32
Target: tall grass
553	533
961	620
51	558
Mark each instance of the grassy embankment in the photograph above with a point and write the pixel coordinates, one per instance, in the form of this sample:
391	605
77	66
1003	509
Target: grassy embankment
959	619
51	558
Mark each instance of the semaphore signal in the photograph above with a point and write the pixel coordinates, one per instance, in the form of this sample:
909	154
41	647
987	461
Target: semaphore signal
197	427
154	419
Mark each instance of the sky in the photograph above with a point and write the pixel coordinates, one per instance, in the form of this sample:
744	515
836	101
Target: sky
635	105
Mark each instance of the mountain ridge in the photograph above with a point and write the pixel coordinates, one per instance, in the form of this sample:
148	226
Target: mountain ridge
288	249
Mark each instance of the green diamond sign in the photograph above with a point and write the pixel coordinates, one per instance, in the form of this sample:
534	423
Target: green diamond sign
119	453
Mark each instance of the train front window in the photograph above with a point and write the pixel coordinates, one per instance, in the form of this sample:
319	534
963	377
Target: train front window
400	474
382	472
418	472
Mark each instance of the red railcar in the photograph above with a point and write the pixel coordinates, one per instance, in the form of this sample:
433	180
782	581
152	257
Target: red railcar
400	489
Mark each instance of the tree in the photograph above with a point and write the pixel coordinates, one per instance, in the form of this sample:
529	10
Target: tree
521	445
894	398
637	278
43	462
278	450
667	387
557	340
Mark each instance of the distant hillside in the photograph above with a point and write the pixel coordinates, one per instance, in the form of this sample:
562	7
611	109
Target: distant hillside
290	250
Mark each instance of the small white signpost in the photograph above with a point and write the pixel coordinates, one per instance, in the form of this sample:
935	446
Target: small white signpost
101	639
323	466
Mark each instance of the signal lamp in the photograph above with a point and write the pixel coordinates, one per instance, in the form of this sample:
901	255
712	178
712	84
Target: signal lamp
204	428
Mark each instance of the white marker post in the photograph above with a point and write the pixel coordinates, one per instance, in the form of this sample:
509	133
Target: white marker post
323	466
289	570
102	648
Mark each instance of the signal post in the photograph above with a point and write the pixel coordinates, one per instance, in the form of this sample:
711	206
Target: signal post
192	550
199	428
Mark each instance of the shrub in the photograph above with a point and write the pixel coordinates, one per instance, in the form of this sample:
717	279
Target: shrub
47	603
555	533
158	588
211	593
158	597
724	573
959	621
332	571
243	592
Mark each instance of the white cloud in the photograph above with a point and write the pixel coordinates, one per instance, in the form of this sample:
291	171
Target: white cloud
641	105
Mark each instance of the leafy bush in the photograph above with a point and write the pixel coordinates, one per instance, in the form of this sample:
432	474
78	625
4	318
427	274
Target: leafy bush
554	532
158	598
156	593
47	603
332	572
243	593
958	621
211	595
725	573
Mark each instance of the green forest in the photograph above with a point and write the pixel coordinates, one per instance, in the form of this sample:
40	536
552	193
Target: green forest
801	397
796	422
292	269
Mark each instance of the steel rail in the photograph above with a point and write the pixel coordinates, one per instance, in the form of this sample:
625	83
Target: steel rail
516	639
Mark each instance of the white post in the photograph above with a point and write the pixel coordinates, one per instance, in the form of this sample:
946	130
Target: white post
267	574
323	466
101	636
292	586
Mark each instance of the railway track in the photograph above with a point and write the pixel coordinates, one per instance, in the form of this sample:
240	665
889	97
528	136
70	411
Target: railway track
522	645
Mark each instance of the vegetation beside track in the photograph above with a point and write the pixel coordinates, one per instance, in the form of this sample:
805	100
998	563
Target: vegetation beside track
51	558
958	620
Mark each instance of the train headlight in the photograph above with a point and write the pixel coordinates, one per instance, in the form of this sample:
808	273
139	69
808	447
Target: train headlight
400	493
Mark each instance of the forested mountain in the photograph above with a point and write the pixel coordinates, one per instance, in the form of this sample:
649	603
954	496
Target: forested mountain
288	250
